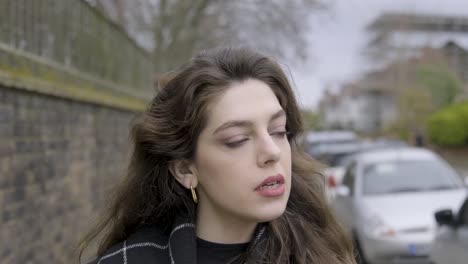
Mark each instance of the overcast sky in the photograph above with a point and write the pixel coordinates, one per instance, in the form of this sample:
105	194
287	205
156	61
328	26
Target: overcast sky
338	36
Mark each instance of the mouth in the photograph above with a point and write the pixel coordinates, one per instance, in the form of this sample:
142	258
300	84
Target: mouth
272	182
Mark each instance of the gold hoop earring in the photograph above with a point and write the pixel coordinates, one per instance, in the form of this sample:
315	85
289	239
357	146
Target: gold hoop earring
194	194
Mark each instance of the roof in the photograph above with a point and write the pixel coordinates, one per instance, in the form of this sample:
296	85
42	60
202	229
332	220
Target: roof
422	22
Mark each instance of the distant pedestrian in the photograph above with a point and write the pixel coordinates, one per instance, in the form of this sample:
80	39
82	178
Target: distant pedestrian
419	140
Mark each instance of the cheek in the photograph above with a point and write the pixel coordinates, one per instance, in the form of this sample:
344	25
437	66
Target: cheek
218	167
286	162
286	156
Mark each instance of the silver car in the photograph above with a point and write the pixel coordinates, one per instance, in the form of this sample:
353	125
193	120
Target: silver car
451	242
387	200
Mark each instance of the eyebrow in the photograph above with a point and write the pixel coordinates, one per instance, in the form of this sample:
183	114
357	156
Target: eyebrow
245	123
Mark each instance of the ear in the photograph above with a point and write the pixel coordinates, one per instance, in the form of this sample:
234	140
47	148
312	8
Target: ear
184	173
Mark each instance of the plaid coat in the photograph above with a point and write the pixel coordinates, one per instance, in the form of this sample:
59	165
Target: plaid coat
150	245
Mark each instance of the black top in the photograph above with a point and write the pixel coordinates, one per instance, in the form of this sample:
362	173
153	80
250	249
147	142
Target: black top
215	253
150	245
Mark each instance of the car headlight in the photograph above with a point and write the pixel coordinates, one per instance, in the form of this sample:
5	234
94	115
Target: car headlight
376	227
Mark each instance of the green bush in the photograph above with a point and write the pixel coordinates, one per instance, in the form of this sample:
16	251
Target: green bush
449	127
441	82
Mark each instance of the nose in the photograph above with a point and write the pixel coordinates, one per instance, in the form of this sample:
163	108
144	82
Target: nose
268	151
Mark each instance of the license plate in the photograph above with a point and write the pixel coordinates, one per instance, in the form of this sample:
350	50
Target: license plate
418	250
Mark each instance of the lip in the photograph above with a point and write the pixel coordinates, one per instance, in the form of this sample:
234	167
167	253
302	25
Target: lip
272	192
276	178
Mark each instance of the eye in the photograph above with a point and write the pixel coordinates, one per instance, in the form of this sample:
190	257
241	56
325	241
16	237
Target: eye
236	144
280	134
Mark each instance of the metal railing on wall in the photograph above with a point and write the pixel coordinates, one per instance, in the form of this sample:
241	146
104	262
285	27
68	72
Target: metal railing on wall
70	41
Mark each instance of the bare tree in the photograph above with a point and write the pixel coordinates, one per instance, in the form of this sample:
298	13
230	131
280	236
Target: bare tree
175	29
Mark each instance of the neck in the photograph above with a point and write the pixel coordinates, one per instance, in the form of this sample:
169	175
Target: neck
219	227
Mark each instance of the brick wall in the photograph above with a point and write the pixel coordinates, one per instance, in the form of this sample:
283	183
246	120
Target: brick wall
58	158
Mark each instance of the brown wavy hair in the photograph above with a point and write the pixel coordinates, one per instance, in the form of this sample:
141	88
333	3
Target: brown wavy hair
306	233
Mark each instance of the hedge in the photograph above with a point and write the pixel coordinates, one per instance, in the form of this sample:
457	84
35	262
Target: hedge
449	126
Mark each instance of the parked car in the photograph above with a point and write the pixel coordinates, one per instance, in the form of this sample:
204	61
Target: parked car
318	143
451	242
387	200
338	163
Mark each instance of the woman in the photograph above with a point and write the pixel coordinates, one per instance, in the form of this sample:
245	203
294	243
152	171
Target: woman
216	175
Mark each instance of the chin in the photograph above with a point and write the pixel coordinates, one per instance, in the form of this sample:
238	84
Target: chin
270	212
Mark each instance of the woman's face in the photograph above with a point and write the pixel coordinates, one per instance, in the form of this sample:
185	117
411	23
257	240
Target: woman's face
243	157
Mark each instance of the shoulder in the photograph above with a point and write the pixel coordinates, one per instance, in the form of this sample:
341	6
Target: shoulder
144	246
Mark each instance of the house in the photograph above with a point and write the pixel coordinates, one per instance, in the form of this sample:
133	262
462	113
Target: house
366	106
370	104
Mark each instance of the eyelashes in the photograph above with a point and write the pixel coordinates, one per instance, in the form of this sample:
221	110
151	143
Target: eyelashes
238	143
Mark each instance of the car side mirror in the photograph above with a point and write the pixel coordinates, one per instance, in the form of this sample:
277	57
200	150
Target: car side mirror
445	217
466	181
342	190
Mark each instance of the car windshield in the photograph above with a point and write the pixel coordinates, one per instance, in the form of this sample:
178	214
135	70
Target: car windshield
408	176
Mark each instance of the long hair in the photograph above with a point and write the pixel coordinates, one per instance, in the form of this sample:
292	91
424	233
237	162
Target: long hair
307	232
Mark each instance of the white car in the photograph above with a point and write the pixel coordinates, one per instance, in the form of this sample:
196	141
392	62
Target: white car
334	174
387	201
